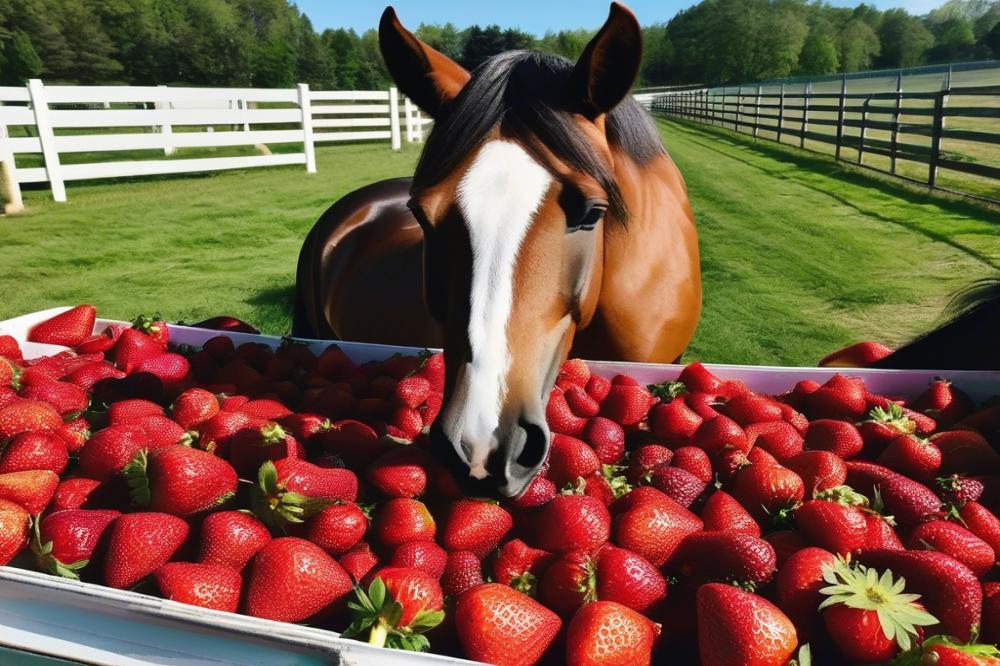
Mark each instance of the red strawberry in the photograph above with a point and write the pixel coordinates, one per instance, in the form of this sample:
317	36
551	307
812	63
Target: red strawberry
27	416
645	459
475	525
561	418
679	485
15	522
262	408
9	348
206	585
797	396
651	524
907	500
943	402
580	402
359	561
837	437
109	450
785	542
991	612
750	408
674	423
715	435
605	633
404	424
75	493
400	472
401	604
68	328
694	460
966	452
703	404
956	541
912	456
499	625
171	369
194	407
355	442
538	492
948	589
881	532
957	490
778	438
65	397
758	456
982	522
462	572
337	528
402	519
134	347
140	543
943	652
519	565
626	405
837	526
732	556
251	448
180	480
154	327
819	470
426	556
286	564
217	433
231	539
766	489
74	434
698	379
860	354
570	459
575	372
34	450
740	628
125	412
412	391
628	579
839	397
606	438
794	418
291	489
598	387
722	512
8	371
91	375
164	432
31	489
798	586
569	522
65	540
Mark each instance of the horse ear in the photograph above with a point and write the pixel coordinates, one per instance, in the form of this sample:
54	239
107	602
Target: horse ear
608	66
425	75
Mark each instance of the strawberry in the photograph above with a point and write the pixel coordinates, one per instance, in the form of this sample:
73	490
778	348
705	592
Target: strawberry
598	387
912	456
651	524
715	435
836	524
499	625
965	452
194	407
865	614
207	585
703	404
179	480
798	586
34	450
170	368
674	423
570	459
91	376
164	432
15	522
109	450
942	651
401	604
766	489
909	501
125	412
679	485
68	399
75	493
475	525
462	571
251	448
27	416
991	612
732	556
402	519
794	418
797	396
778	438
574	372
751	408
74	434
404	424
956	541
580	402
628	579
231	539
68	328
645	459
956	489
134	347
337	528
607	633
699	379
288	563
264	409
8	396
606	438
538	492
359	561
154	327
839	397
519	565
694	460
355	442
568	522
860	354
98	343
819	470
949	590
741	628
400	472
139	544
291	489
943	402
881	532
838	437
412	391
217	433
9	348
982	522
722	512
569	582
31	489
758	456
626	405
65	540
426	556
8	373
561	418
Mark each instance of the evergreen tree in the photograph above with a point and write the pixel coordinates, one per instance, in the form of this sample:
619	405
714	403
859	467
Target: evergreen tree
20	61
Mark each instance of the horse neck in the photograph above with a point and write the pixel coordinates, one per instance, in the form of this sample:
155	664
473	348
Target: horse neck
968	342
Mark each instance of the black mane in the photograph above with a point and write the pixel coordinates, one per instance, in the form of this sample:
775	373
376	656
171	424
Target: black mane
527	92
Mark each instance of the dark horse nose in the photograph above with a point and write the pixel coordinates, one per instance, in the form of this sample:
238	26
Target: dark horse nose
512	465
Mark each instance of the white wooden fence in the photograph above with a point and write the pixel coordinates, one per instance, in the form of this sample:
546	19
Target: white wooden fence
52	121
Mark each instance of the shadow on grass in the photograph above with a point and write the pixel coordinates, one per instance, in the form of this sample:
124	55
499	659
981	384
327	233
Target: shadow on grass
273	306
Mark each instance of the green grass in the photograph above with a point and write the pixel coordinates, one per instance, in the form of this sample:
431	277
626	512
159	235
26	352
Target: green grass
800	255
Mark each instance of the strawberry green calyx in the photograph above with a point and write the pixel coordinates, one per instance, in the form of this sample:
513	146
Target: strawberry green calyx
189	438
524	582
863	588
616	480
271	433
842	495
893	417
138	480
578	488
276	506
667	391
148	325
47	561
803	658
589	584
377	613
925	653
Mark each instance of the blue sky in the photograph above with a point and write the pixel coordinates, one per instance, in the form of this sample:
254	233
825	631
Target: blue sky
535	16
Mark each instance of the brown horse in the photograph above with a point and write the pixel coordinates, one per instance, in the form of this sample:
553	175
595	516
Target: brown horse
544	216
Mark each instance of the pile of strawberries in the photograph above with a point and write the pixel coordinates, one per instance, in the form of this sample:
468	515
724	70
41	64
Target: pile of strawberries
688	522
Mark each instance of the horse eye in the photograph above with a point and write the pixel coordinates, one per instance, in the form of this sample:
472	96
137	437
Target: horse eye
591	216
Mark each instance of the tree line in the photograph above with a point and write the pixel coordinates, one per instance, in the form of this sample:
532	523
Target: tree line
269	43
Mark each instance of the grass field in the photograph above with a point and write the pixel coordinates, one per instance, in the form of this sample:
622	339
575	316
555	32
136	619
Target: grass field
800	255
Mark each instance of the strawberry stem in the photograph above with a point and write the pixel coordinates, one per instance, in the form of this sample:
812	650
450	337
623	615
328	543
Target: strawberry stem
379	634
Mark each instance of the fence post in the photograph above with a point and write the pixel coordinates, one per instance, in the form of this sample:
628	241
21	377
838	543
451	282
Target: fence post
739	108
40	107
756	113
939	104
394	118
864	130
895	123
840	114
781	111
805	114
408	114
10	188
305	106
165	129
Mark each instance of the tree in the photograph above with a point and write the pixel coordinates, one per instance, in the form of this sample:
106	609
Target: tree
657	56
20	60
955	40
992	41
315	64
780	40
904	39
858	46
480	44
819	54
571	43
344	47
445	38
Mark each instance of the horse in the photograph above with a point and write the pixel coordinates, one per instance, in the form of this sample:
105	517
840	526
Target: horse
544	217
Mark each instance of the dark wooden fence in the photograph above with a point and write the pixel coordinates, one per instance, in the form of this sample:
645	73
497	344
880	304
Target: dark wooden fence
917	135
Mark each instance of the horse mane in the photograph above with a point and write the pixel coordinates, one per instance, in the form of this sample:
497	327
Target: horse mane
528	92
967	340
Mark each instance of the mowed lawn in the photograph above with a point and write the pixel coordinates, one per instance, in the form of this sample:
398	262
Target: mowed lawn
800	256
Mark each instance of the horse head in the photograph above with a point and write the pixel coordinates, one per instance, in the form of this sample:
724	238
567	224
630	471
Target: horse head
515	191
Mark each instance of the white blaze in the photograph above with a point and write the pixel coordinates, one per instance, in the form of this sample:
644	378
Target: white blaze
498	197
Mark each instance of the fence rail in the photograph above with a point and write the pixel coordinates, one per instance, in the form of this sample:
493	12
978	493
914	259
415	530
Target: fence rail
928	136
40	124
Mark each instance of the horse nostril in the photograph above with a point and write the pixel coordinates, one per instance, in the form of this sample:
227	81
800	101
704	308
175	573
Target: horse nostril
535	445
